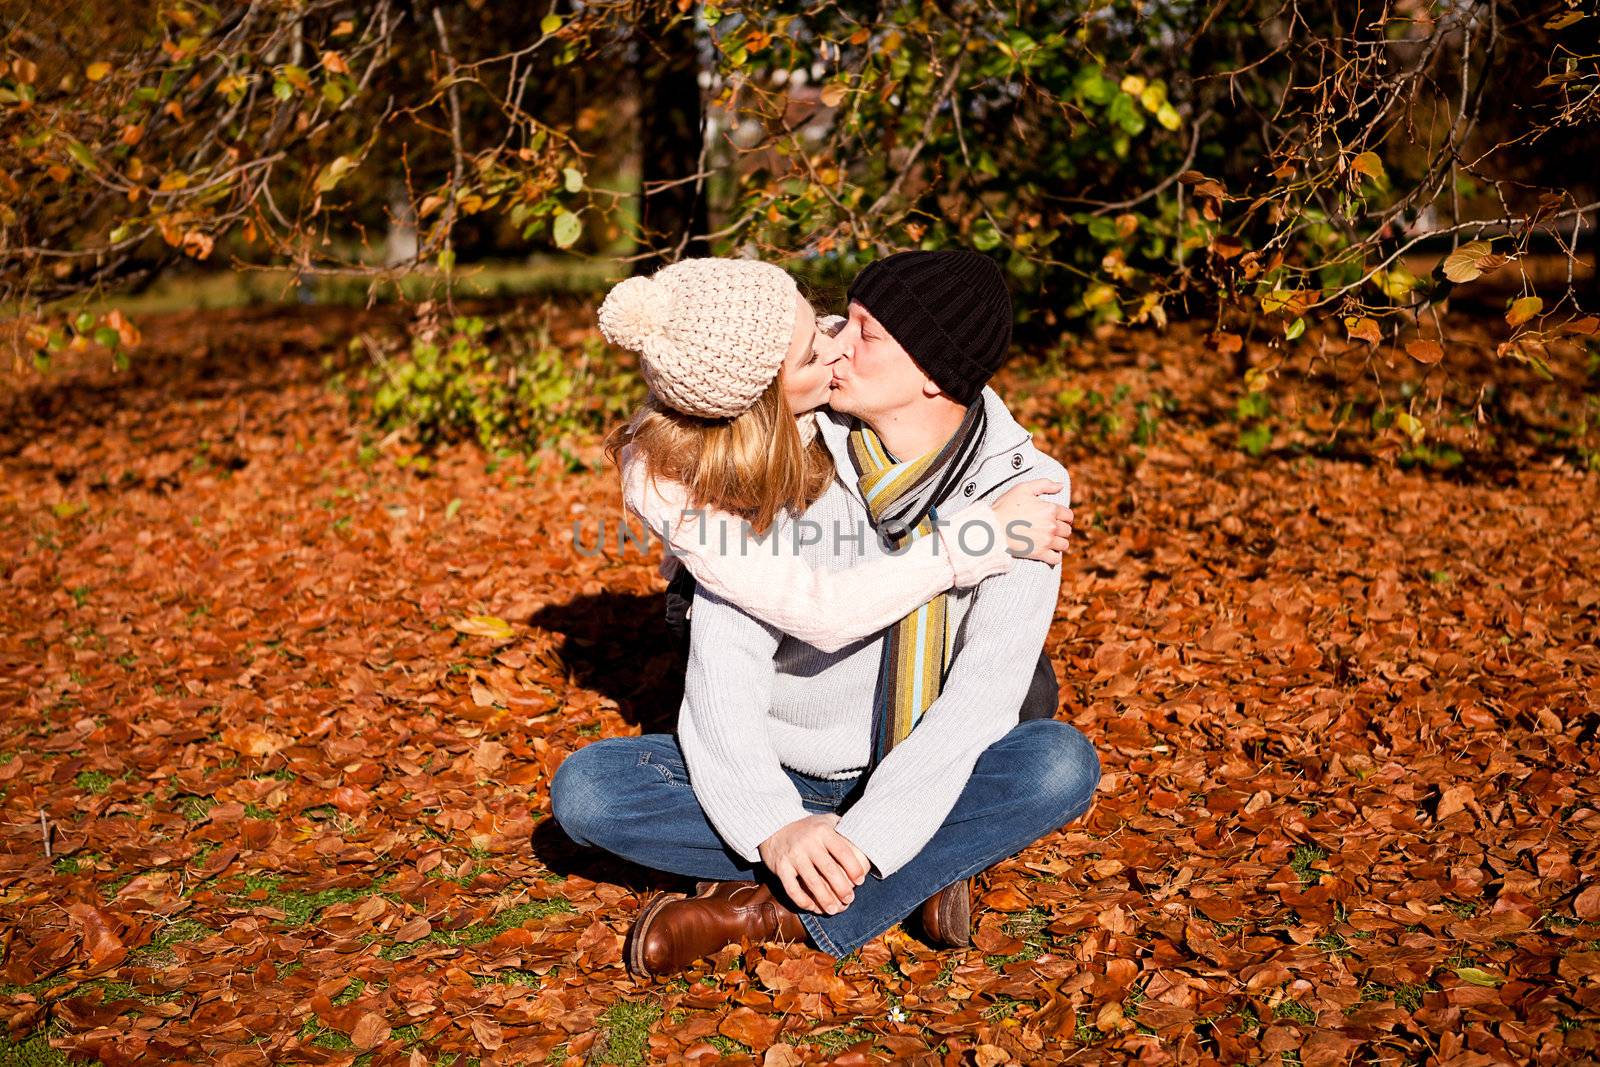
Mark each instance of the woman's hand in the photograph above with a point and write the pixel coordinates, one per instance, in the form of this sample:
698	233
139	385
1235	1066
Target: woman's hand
819	866
1047	525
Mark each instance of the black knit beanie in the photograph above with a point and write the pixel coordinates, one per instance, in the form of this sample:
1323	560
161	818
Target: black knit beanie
950	310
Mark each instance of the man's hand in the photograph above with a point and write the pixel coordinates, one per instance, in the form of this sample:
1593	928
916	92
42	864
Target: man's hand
819	866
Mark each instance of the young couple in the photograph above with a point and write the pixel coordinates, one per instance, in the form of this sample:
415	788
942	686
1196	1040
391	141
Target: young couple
867	719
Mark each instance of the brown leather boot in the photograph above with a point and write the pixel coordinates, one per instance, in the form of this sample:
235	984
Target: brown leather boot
947	915
672	931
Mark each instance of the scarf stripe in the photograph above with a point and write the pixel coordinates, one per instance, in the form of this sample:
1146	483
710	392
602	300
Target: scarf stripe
918	647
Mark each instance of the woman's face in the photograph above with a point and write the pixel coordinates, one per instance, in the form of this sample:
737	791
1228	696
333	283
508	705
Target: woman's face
807	366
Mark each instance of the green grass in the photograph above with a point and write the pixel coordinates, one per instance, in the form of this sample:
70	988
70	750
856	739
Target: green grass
35	1051
1293	1009
477	933
350	992
834	1041
94	781
319	1035
1003	1008
111	991
1304	856
626	1036
1029	927
726	1045
1333	944
195	807
300	907
158	952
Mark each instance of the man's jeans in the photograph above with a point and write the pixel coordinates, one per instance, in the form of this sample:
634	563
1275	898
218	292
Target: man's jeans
631	796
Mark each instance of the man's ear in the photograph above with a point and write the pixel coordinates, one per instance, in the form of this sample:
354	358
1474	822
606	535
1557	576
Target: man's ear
930	388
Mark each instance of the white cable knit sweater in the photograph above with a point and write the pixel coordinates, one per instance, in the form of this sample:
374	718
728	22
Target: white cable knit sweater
756	700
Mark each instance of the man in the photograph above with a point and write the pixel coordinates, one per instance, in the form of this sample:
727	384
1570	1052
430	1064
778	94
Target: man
875	780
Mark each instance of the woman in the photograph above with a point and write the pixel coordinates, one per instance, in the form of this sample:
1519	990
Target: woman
738	366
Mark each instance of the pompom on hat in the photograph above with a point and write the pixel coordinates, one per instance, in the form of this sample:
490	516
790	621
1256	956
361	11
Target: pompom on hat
710	333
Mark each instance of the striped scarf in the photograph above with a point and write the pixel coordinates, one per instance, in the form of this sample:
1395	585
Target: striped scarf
901	499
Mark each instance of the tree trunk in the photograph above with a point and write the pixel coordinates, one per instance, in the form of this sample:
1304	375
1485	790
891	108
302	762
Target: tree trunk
670	111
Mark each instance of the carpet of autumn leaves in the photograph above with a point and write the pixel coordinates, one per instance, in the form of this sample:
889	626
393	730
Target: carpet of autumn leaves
296	808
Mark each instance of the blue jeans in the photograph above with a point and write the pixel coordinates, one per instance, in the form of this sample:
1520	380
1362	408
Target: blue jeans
631	796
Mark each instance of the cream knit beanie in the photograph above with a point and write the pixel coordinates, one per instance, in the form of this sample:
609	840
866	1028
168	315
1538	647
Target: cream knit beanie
710	333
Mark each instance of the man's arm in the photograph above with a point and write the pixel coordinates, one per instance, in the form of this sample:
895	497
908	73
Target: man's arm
913	789
722	727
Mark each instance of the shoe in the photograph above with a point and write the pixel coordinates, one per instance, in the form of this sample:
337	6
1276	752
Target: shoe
672	931
947	915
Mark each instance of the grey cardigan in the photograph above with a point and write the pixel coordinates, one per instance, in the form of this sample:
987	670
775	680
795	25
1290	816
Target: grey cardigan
756	700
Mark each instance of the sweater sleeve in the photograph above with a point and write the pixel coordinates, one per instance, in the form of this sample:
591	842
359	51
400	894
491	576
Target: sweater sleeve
912	790
826	609
722	727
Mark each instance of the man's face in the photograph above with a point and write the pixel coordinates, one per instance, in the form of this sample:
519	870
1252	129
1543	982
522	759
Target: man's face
877	376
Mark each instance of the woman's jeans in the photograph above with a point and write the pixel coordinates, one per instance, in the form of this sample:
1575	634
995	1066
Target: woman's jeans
631	796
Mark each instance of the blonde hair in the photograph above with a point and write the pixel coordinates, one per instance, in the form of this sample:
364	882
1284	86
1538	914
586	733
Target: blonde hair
752	465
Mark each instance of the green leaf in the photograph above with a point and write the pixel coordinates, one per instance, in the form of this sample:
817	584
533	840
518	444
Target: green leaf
567	229
574	179
549	24
447	260
106	336
1091	83
1256	439
985	236
1294	329
1125	113
81	155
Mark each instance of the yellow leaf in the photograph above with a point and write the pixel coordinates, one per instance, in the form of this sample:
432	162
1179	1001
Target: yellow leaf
485	626
1133	85
1369	164
334	172
1099	293
1479	976
97	71
1472	260
1410	426
1364	329
1524	309
1395	282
